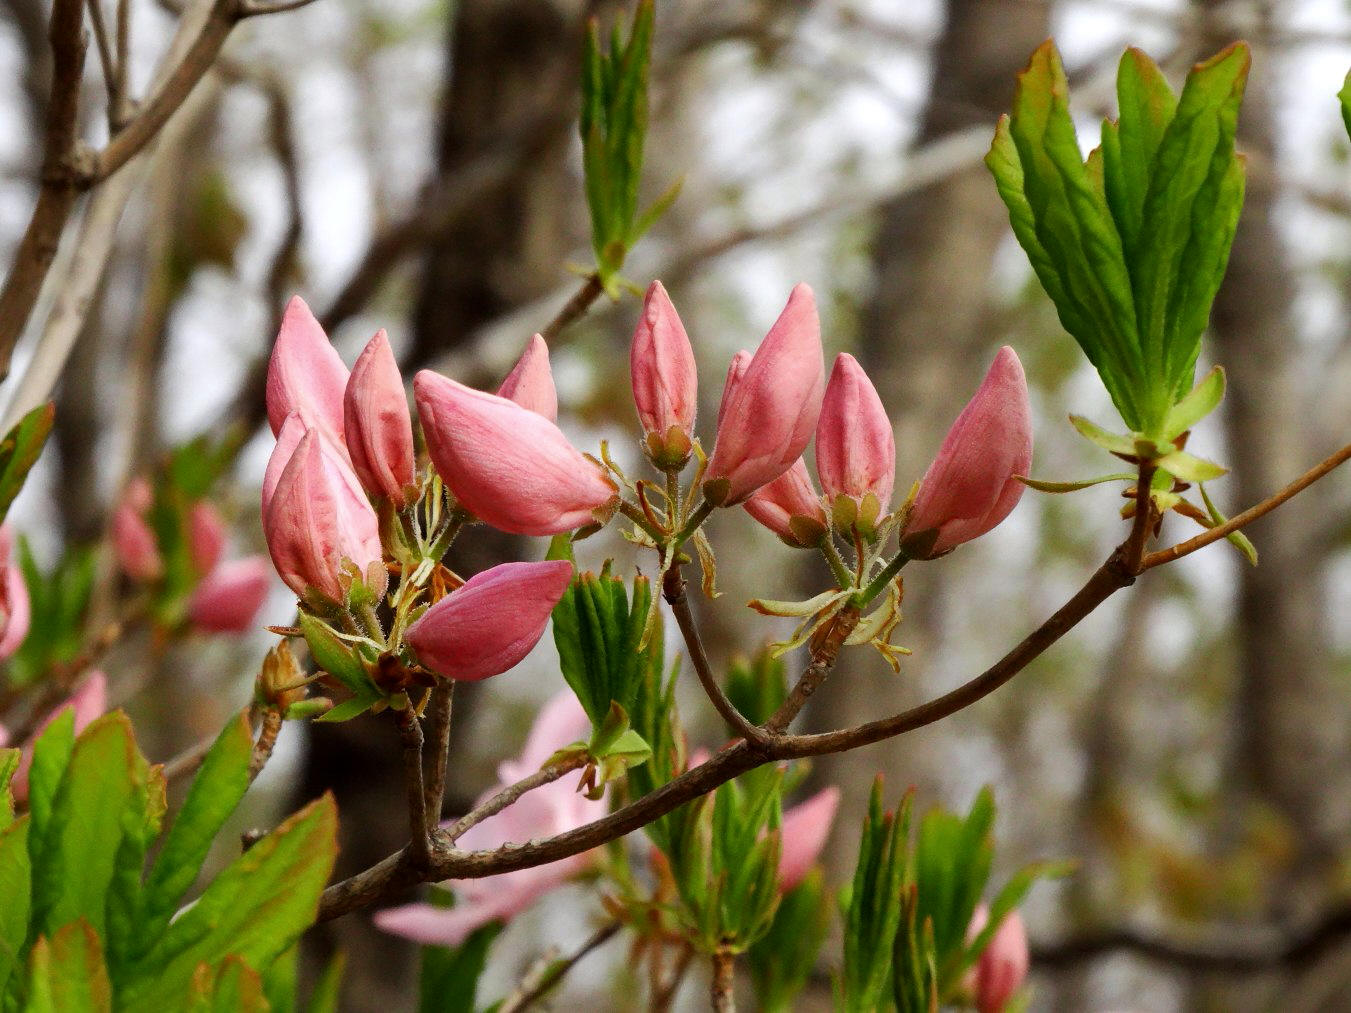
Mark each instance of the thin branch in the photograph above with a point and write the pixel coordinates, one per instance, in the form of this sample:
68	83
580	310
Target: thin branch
410	729
1247	516
575	308
256	8
106	58
438	737
823	660
1134	550
121	101
508	795
535	987
721	989
267	741
673	590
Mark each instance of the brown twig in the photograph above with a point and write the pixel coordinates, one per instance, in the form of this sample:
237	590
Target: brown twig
823	660
439	710
575	308
1247	516
410	730
673	590
721	989
508	795
267	740
665	995
535	987
1133	552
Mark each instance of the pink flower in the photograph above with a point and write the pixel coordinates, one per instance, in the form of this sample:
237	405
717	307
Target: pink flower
206	536
1002	967
531	382
305	375
16	613
803	833
378	427
292	431
855	448
545	812
508	466
790	507
970	486
736	369
229	597
134	543
492	622
768	414
665	380
317	518
89	701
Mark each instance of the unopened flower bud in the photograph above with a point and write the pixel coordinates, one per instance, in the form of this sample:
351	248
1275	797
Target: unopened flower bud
531	381
665	380
228	598
134	543
206	536
805	829
790	507
15	607
378	427
306	375
280	683
768	415
1003	964
855	449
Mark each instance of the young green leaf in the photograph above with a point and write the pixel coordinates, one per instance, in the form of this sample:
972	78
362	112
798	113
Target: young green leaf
1203	399
67	973
336	658
16	879
450	974
19	451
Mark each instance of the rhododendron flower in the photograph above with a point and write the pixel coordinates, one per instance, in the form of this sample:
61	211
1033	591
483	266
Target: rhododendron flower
509	466
971	485
790	507
317	518
531	381
553	809
229	597
665	380
855	448
206	536
487	626
736	369
306	376
378	427
134	543
1002	966
769	413
15	607
88	702
803	833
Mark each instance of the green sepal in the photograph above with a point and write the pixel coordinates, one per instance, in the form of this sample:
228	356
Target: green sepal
1204	398
1237	539
349	709
1190	468
1041	485
337	658
1113	443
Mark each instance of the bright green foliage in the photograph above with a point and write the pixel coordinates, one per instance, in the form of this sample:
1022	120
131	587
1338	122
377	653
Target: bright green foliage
59	599
84	927
1345	96
872	906
1131	244
656	719
782	960
19	451
724	856
757	686
345	663
450	974
614	128
597	631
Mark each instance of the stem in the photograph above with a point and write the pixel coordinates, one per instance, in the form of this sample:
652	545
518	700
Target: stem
693	522
837	565
508	795
411	731
1134	549
531	992
666	995
267	739
1247	516
673	590
438	735
372	622
879	583
639	517
823	660
575	308
724	978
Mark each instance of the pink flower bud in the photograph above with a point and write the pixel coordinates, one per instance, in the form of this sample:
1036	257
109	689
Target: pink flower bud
305	375
318	518
15	606
508	466
229	597
855	448
292	431
790	507
665	380
88	702
736	369
206	536
768	415
970	486
134	543
1003	965
378	427
492	622
531	382
804	831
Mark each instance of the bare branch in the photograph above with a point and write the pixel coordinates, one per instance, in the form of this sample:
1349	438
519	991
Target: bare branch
410	729
438	735
575	308
256	8
535	987
508	795
267	741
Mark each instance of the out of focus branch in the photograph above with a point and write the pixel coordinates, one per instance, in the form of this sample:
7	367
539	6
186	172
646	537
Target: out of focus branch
1281	951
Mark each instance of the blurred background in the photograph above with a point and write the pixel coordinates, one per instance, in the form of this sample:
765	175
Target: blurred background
413	165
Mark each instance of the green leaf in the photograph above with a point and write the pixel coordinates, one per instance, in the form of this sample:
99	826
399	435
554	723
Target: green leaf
349	709
1203	399
141	821
781	962
1345	96
450	974
324	997
1042	485
1237	539
51	753
215	792
255	909
337	658
75	849
1146	106
68	974
9	763
1190	468
238	988
16	888
1111	442
19	451
872	906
